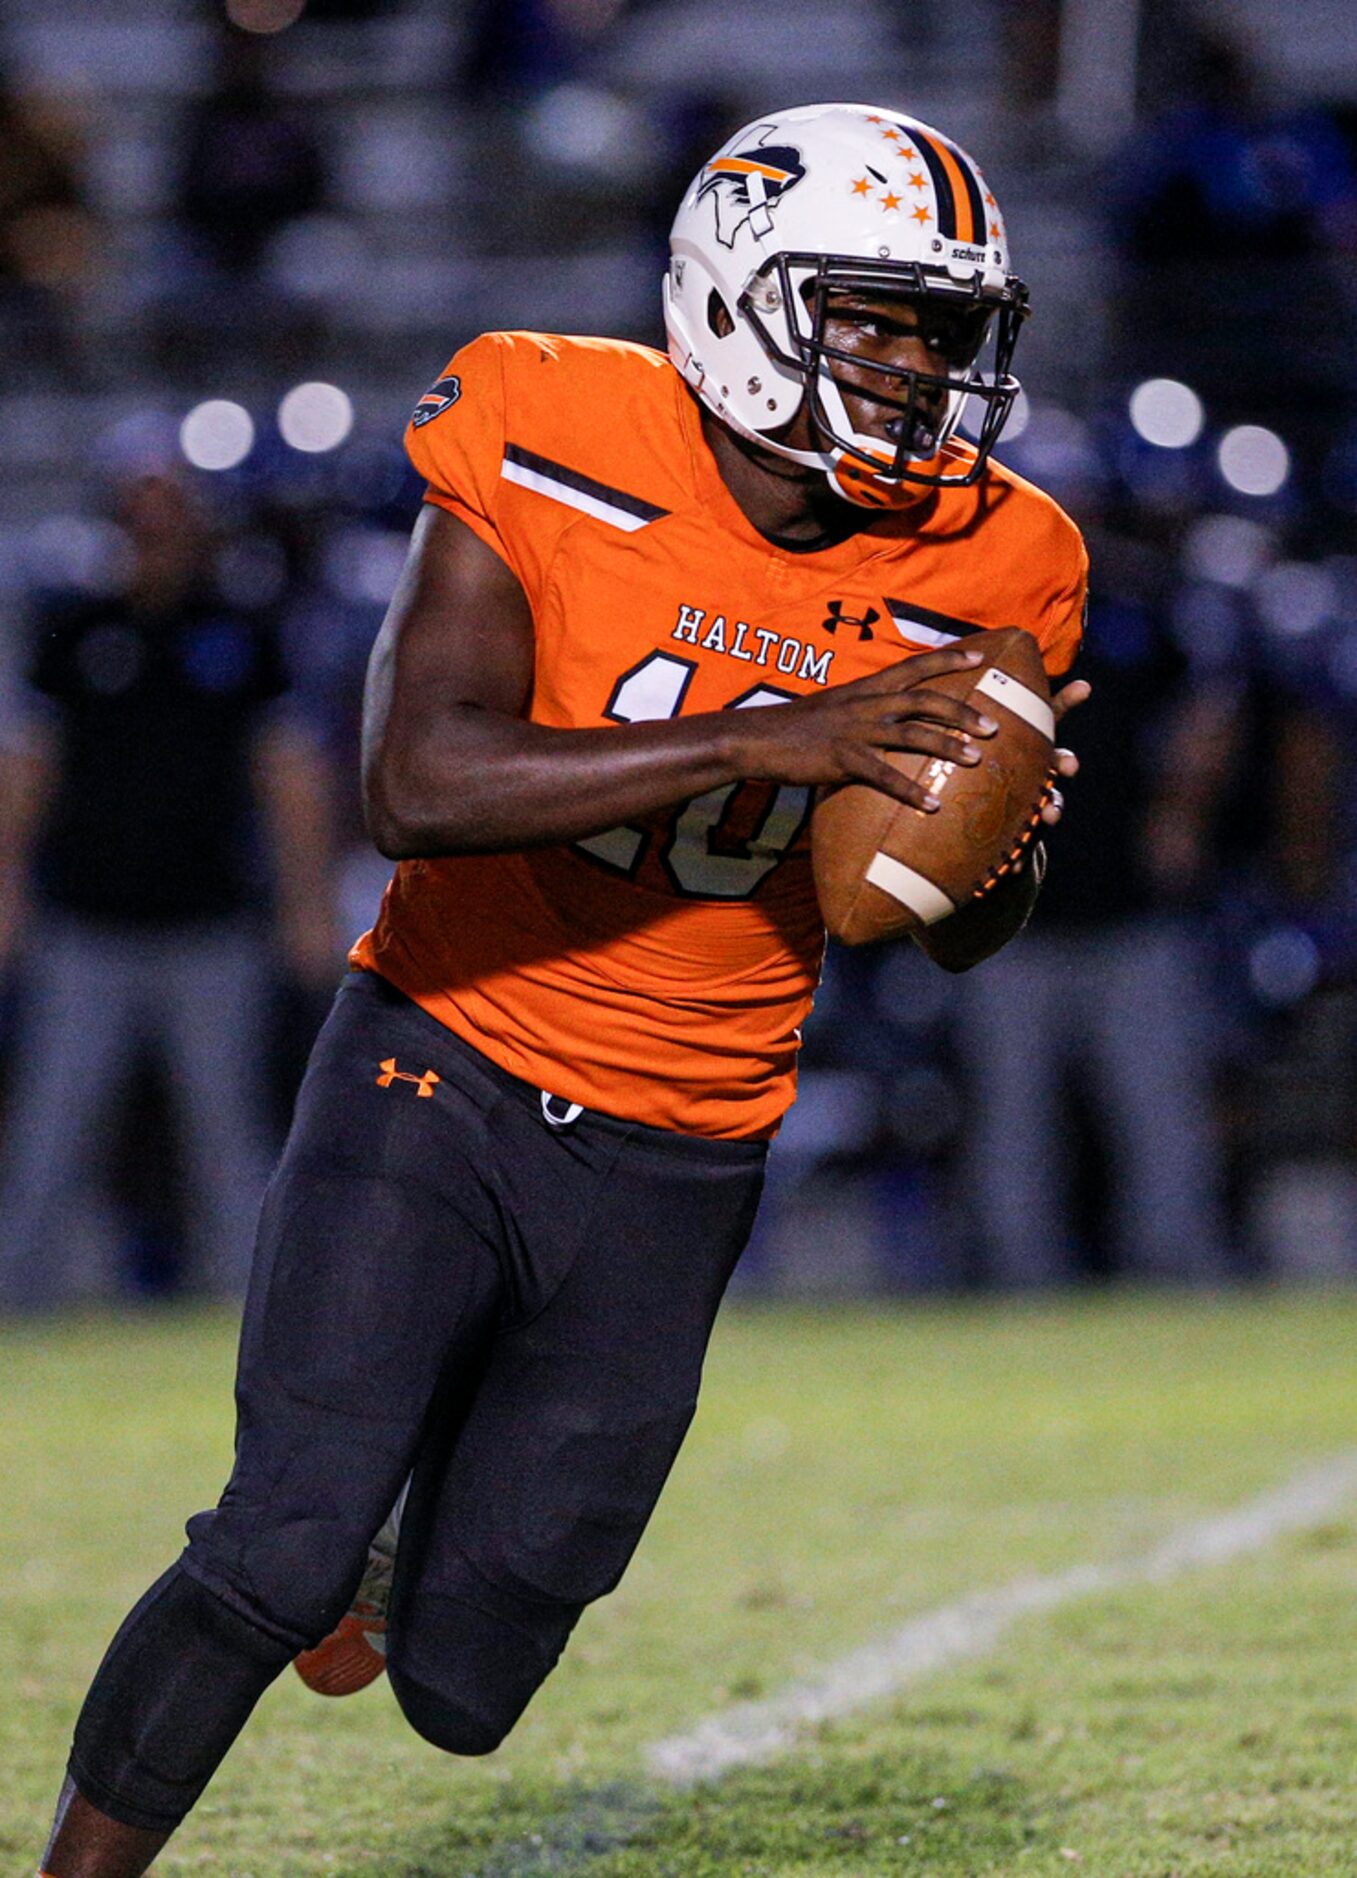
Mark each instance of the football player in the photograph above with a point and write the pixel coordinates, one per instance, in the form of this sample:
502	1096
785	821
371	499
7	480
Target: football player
650	606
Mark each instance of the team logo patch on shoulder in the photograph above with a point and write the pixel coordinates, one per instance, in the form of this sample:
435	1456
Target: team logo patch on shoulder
746	187
440	397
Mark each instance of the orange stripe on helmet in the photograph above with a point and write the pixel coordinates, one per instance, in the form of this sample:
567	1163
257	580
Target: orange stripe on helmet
742	166
961	195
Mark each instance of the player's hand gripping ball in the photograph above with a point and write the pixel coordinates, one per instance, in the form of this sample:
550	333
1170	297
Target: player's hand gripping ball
883	869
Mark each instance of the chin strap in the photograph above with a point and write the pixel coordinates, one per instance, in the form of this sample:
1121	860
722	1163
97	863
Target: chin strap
863	487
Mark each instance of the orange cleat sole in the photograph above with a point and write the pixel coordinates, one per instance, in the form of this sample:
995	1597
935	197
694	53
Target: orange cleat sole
352	1656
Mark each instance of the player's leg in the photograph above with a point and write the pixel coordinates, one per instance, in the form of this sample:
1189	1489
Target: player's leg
212	1019
354	1653
79	1030
376	1285
1014	1016
537	1506
1151	1034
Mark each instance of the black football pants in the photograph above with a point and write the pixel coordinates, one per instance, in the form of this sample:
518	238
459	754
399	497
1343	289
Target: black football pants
458	1276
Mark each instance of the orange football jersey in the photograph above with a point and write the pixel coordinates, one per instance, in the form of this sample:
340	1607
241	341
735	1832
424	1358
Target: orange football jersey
661	972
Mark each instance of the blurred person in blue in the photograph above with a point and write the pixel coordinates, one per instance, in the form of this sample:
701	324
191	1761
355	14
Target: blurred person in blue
520	48
249	169
1104	1004
250	161
149	735
1231	211
1289	926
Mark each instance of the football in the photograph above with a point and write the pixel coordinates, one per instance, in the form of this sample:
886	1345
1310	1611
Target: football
883	869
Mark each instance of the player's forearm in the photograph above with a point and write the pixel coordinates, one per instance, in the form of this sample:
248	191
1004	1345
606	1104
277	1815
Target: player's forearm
478	781
976	932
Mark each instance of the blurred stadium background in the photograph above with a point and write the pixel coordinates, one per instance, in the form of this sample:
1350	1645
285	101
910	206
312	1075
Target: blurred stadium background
237	240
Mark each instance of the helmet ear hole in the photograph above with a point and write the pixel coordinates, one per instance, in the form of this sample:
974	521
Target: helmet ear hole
718	316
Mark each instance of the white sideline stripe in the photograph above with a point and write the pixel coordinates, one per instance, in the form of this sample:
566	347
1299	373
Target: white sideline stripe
751	1732
573	498
910	888
1020	699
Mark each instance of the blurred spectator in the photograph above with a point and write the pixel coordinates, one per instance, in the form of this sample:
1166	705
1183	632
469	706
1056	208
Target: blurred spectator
47	236
152	731
250	164
582	156
520	48
251	169
1101	1002
1228	210
1290	930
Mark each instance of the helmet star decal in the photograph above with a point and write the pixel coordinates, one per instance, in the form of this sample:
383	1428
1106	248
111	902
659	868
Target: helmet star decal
862	185
746	187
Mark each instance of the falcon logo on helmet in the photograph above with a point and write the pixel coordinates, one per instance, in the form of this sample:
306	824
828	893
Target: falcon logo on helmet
746	186
754	325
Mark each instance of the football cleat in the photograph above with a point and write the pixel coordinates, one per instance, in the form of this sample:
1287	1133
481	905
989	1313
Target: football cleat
354	1653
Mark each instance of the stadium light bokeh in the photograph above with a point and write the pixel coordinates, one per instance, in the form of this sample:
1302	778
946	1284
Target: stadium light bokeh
1253	460
1284	966
217	434
1166	412
315	417
1227	550
1295	597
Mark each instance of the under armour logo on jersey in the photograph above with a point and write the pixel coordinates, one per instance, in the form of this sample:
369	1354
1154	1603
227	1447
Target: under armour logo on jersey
440	397
746	187
837	618
424	1085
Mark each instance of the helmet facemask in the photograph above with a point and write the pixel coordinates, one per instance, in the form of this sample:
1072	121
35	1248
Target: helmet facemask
787	304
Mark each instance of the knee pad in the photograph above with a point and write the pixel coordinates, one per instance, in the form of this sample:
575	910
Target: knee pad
291	1558
464	1664
442	1722
175	1689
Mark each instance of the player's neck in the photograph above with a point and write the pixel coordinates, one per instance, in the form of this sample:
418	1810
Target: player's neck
791	505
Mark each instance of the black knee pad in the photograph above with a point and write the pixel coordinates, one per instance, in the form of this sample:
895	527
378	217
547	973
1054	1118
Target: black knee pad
174	1690
465	1663
289	1559
441	1722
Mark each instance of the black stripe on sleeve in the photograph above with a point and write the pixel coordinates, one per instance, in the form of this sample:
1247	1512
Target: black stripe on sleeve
906	610
586	485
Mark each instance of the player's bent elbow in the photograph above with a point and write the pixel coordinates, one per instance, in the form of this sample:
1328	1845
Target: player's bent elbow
390	835
399	826
415	811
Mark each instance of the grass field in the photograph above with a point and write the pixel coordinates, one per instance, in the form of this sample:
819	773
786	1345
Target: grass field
848	1470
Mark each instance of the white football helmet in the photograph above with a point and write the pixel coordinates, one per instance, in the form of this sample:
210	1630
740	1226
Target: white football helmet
844	197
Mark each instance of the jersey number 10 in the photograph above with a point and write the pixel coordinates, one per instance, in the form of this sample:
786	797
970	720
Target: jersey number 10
721	845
